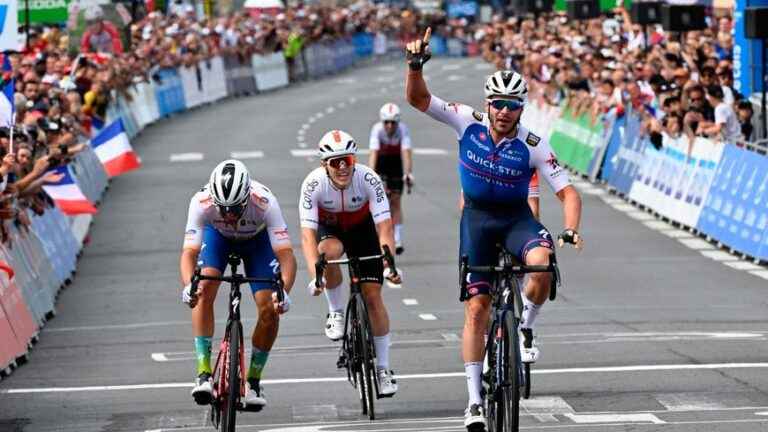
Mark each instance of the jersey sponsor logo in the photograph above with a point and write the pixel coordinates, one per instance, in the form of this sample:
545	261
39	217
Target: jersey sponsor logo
483	136
191	232
492	165
306	197
552	161
479	143
532	140
477	115
374	181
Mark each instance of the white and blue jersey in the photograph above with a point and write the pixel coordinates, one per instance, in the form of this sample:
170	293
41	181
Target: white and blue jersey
496	180
497	175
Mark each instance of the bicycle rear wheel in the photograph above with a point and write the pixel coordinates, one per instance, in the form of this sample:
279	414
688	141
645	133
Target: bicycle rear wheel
493	409
231	396
511	369
367	368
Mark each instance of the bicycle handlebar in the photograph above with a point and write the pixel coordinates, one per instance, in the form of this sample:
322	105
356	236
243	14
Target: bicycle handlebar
276	281
322	262
515	269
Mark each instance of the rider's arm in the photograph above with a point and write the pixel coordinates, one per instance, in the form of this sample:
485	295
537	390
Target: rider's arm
571	207
287	267
373	146
533	203
308	220
544	160
405	146
379	206
416	90
309	247
281	242
386	234
193	238
533	195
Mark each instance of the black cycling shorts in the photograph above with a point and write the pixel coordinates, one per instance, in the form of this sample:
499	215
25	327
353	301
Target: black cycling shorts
390	169
359	241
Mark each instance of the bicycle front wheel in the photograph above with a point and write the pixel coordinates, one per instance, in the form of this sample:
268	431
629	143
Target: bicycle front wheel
511	369
232	394
493	408
367	367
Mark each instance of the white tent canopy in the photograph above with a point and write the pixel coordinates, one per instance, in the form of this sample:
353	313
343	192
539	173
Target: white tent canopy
264	4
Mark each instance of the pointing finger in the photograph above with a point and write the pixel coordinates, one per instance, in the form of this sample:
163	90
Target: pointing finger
427	35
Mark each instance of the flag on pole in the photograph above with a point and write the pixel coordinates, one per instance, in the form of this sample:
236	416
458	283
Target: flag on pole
7	106
114	150
67	194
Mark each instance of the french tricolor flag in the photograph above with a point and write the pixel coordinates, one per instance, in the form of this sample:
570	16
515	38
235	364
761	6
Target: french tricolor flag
114	150
67	195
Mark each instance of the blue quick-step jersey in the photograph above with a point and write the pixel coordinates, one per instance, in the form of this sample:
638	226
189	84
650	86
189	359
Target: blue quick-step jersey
500	174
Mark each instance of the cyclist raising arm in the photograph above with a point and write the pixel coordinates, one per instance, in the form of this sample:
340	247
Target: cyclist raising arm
343	209
497	158
234	214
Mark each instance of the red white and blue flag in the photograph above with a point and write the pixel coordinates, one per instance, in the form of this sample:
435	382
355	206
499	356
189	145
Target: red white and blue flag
67	194
114	150
7	83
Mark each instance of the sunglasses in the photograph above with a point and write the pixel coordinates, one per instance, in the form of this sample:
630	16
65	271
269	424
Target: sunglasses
390	122
336	162
510	104
234	210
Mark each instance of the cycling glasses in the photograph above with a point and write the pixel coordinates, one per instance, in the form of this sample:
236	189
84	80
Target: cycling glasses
510	104
233	210
336	162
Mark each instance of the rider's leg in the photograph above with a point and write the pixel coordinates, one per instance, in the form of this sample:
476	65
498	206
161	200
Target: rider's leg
537	289
476	314
203	320
379	322
333	249
264	334
397	216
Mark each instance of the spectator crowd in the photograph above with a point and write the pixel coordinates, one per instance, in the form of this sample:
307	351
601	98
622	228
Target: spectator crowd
680	87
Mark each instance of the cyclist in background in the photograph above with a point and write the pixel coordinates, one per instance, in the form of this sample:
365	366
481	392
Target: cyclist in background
234	214
343	209
391	158
497	159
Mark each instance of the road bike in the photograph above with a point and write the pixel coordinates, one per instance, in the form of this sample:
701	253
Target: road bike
358	353
504	373
229	387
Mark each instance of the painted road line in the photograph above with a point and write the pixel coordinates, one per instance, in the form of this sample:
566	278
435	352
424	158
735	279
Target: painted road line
545	408
451	337
743	265
595	192
257	154
678	234
624	207
454	78
689	401
186	157
638	368
696	243
641	215
483	66
658	225
760	273
615	418
159	357
718	255
330	110
430	151
410	302
427	317
303	152
448	67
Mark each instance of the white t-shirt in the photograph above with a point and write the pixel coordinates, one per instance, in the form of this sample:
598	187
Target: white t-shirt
724	114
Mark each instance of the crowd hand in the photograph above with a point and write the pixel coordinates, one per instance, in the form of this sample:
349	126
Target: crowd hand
52	177
314	290
417	52
187	297
284	306
9	161
41	164
570	236
408	179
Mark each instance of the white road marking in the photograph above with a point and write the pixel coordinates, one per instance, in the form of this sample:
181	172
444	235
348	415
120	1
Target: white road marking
676	233
743	265
330	110
718	255
341	104
641	215
448	67
346	80
545	408
430	151
760	273
638	368
483	66
689	402
303	144
319	115
305	126
624	207
256	154
762	413
451	337
427	317
315	412
303	152
615	418
352	99
159	357
388	68
410	302
595	191
186	157
383	79
696	243
454	78
657	225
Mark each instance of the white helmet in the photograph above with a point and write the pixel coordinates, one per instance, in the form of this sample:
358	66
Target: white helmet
230	183
336	143
506	83
389	112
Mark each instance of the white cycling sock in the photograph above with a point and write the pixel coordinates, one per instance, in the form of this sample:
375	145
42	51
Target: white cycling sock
398	234
381	344
530	312
474	381
335	297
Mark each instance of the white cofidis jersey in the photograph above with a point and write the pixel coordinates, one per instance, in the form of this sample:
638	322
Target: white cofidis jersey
321	202
499	173
387	144
262	212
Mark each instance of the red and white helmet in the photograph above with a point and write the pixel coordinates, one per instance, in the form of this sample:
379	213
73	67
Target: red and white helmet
389	112
336	143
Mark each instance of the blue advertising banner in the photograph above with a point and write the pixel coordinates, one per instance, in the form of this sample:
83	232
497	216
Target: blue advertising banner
747	53
459	8
629	155
736	210
170	92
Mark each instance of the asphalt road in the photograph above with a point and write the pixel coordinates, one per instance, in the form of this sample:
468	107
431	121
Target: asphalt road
647	333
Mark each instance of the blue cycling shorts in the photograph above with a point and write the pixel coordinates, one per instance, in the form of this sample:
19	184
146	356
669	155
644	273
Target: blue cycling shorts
481	230
258	258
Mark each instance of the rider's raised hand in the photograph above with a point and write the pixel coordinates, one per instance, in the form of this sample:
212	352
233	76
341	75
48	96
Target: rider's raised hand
417	52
